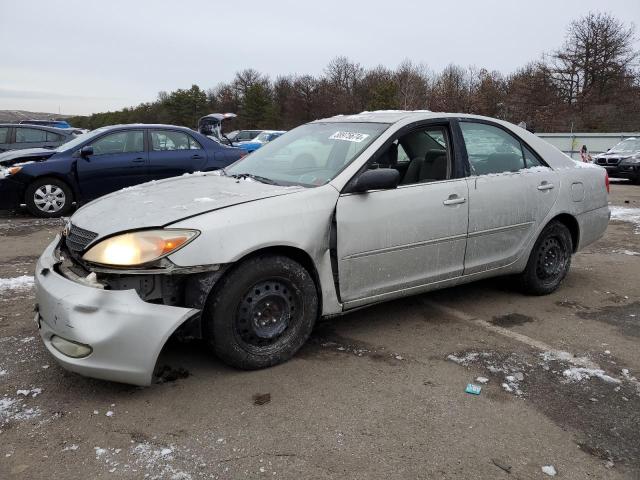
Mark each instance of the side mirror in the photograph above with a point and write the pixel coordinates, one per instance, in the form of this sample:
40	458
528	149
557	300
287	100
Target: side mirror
378	179
86	151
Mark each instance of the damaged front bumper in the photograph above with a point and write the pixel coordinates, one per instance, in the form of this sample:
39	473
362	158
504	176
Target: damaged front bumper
123	333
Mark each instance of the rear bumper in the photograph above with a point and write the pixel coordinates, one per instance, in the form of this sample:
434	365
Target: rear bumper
11	194
125	333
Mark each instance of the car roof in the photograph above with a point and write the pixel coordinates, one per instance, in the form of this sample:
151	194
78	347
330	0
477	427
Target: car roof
66	131
144	125
395	116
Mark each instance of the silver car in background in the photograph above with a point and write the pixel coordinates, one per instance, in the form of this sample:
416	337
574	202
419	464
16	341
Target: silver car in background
334	215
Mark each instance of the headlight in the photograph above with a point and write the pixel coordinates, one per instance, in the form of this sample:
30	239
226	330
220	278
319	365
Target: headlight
6	172
138	248
634	159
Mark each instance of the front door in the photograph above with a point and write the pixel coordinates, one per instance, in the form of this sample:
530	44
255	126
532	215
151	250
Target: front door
393	242
119	160
510	194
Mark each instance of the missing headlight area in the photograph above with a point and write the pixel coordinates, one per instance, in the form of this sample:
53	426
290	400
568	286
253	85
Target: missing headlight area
167	285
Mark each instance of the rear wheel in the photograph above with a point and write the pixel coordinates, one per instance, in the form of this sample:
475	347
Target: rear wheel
549	260
262	312
49	197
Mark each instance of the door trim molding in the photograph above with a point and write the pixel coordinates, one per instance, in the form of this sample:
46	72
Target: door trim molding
505	228
404	247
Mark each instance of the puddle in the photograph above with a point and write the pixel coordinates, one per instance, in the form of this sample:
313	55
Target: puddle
511	320
626	317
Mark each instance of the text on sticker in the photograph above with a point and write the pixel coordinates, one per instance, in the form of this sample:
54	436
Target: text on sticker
349	136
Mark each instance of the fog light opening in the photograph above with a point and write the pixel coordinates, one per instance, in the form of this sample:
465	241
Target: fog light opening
70	348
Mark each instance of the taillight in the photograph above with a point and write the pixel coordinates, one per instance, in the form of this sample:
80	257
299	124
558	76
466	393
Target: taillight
606	180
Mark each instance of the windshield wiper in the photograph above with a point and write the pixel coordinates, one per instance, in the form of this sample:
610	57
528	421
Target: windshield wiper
254	177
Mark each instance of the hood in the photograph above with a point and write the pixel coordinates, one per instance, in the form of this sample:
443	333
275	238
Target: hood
26	155
157	204
616	154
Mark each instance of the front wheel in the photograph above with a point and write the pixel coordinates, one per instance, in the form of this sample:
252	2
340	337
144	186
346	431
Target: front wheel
549	260
49	197
261	313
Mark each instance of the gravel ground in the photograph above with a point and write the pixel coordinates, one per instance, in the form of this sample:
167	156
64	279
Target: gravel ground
379	393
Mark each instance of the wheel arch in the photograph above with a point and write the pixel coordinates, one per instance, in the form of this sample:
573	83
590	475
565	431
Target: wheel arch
294	253
571	223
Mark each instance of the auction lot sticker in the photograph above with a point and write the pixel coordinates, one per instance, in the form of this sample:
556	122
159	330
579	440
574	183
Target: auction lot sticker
349	136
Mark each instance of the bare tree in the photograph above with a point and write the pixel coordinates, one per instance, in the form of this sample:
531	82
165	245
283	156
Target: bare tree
598	50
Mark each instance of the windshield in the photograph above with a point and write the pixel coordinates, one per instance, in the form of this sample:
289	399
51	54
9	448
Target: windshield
310	155
79	140
630	145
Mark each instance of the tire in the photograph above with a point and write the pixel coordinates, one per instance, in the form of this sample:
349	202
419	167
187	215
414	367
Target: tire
49	197
261	312
549	260
636	180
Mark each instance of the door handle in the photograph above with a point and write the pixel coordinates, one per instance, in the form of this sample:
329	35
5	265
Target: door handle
196	157
545	186
138	160
454	200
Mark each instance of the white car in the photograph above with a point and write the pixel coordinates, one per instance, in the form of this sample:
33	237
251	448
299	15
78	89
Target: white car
334	215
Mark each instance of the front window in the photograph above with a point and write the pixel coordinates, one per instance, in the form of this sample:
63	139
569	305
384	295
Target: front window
309	155
630	145
263	137
79	140
30	135
120	142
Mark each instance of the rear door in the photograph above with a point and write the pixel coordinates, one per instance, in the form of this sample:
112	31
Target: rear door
5	139
119	160
510	193
392	242
173	153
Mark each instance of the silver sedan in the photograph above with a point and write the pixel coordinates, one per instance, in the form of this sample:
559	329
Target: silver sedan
336	214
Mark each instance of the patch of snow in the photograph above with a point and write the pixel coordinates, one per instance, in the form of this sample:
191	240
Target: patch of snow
464	360
625	214
99	451
203	199
3	372
627	252
109	413
549	470
482	380
165	451
23	282
577	374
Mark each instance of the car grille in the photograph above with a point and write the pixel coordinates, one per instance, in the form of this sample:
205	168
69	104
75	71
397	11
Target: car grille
608	161
78	239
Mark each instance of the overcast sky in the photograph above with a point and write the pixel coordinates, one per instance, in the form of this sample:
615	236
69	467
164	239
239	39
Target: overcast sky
84	56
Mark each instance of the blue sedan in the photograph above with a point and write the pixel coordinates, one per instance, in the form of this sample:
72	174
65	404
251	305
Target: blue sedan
50	182
263	138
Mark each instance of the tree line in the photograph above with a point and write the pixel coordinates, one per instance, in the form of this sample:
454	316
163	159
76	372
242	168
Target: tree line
590	83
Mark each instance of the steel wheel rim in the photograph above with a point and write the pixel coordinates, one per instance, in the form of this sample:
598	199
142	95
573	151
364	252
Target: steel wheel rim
267	313
49	198
551	259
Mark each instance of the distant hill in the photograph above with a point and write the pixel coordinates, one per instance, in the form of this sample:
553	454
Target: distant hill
12	116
